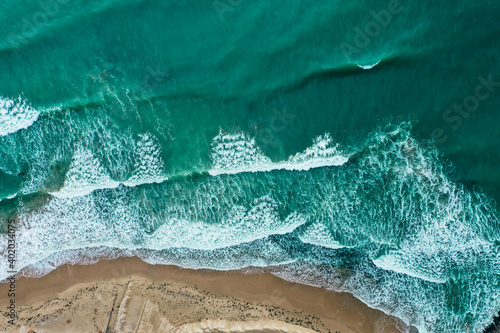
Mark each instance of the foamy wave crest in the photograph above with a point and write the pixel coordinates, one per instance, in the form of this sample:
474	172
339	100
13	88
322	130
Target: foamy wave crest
86	173
205	217
259	253
322	153
390	227
76	141
236	153
239	153
148	166
15	115
369	66
321	235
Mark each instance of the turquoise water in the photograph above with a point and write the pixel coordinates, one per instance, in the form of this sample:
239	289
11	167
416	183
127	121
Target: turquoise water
348	145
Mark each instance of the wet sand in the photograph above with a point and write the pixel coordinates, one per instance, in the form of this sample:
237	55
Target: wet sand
129	295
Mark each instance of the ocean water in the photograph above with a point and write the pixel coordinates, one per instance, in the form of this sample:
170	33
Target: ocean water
352	145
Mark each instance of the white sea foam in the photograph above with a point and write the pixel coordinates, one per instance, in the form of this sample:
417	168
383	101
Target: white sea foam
15	115
149	166
240	225
236	153
417	235
319	234
86	173
369	66
121	221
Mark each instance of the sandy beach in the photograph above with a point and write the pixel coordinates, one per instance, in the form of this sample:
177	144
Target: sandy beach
128	295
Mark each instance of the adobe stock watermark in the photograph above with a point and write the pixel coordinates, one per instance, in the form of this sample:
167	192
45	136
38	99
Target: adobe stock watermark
155	77
11	269
455	115
363	37
223	6
48	10
280	121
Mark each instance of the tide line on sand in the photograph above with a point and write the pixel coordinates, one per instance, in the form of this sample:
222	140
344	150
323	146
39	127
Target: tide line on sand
129	295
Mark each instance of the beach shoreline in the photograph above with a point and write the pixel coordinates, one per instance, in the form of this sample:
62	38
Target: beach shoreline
178	297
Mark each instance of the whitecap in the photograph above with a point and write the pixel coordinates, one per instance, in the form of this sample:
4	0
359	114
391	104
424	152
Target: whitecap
15	115
412	227
85	175
369	66
149	166
236	153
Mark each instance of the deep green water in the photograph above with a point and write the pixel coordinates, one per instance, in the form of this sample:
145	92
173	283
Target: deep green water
235	133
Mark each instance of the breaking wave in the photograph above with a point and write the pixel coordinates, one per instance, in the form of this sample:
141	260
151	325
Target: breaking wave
385	223
239	153
15	115
86	174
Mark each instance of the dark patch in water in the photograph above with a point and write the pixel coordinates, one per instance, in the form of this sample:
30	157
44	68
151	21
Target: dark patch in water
495	326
